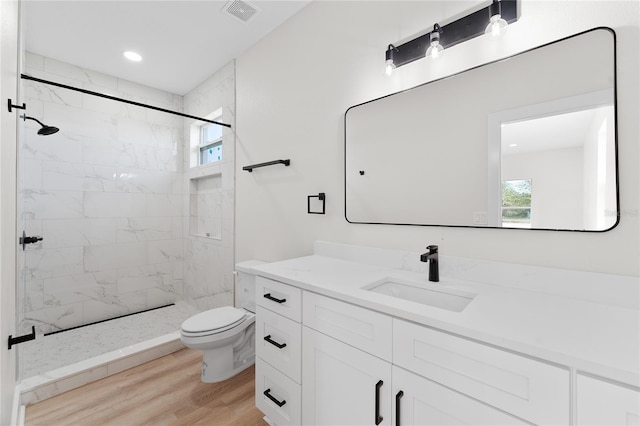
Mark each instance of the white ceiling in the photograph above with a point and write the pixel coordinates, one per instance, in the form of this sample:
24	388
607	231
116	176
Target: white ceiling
559	131
182	42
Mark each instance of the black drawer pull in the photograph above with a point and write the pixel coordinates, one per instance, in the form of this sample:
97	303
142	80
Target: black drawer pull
399	396
275	401
270	297
274	343
378	419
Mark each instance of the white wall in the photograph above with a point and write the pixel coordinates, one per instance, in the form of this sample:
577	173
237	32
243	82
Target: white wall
294	87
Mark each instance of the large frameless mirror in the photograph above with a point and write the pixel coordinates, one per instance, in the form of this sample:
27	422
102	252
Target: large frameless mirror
525	142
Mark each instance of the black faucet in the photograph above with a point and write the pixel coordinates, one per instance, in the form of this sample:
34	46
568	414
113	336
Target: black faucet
432	257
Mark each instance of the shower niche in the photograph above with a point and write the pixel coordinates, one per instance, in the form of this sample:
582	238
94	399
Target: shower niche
205	206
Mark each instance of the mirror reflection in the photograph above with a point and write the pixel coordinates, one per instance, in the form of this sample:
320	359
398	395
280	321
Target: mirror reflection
527	142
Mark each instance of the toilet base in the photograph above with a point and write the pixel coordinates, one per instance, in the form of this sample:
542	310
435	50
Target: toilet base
225	362
214	370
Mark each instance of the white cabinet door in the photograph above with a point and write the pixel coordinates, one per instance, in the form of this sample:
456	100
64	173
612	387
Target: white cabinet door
342	385
603	403
418	401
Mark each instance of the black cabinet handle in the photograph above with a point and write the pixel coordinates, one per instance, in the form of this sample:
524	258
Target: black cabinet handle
399	396
378	419
274	343
275	401
270	297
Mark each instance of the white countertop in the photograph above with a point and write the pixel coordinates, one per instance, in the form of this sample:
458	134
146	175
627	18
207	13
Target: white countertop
600	339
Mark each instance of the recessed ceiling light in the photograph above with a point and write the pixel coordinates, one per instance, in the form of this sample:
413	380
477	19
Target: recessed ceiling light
132	56
513	145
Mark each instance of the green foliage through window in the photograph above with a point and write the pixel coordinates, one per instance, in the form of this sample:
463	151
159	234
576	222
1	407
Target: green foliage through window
516	201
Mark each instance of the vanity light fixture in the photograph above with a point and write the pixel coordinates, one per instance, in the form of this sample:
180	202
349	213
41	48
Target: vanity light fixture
389	64
491	19
435	48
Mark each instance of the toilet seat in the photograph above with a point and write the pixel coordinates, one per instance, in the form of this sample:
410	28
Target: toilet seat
213	321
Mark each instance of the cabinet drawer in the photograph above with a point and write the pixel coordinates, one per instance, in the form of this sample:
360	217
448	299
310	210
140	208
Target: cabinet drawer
418	401
278	341
528	389
359	327
280	298
603	403
283	408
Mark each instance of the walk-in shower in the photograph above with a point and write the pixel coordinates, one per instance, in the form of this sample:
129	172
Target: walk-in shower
109	195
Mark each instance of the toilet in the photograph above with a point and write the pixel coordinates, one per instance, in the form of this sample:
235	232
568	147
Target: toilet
226	335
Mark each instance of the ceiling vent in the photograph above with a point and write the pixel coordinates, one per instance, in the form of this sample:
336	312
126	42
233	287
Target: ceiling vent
240	10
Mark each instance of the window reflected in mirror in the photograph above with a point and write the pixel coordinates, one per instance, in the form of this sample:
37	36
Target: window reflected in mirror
516	203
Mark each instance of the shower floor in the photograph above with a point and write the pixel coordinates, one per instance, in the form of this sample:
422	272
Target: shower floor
48	353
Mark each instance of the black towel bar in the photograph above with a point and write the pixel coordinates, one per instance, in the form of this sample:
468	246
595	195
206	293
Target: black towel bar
268	163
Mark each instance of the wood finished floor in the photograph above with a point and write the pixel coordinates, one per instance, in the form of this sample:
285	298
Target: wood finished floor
166	391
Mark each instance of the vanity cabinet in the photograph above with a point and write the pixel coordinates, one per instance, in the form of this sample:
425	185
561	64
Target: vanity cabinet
342	364
604	403
278	351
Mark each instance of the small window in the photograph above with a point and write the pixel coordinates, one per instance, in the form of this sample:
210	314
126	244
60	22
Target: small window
210	143
516	203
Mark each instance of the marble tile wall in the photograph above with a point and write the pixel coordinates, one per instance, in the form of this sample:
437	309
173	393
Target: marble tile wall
107	194
209	262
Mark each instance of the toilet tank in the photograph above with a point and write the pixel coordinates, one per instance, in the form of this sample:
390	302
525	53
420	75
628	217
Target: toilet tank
246	284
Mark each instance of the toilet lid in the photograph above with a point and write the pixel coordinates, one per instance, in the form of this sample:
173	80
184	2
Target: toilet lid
213	319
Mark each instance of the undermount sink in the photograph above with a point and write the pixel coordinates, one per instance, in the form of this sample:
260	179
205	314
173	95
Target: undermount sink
444	298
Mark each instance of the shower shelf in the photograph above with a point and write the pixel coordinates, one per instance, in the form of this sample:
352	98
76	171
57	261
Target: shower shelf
269	163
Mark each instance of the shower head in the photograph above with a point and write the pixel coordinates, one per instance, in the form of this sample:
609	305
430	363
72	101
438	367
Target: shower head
45	130
48	130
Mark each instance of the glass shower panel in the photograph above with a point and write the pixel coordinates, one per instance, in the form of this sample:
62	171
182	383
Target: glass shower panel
106	195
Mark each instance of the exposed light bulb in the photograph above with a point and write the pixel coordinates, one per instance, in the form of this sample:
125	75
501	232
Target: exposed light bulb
389	67
435	49
390	64
497	26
